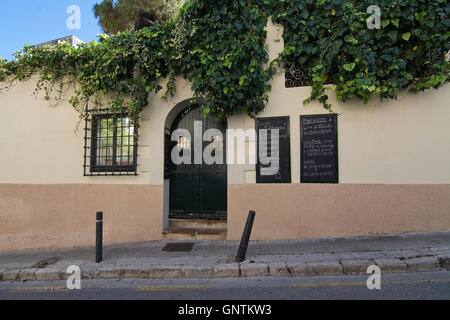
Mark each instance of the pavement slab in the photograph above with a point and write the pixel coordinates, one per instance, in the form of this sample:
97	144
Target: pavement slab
165	271
27	274
356	266
297	269
326	268
254	269
108	272
49	274
223	270
197	272
423	264
10	275
134	272
278	269
391	265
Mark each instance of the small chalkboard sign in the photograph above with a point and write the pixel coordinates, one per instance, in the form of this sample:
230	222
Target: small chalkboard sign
283	174
319	149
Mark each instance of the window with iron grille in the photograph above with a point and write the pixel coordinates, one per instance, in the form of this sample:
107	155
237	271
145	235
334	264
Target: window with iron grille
111	144
298	76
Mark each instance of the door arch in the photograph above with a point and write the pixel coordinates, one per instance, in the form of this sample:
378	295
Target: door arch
196	191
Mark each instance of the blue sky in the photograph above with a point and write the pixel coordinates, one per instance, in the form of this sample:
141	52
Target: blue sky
36	21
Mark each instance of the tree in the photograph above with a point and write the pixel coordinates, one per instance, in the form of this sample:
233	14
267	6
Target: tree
127	15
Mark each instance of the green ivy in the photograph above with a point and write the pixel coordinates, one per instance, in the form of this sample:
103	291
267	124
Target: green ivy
332	38
124	67
222	52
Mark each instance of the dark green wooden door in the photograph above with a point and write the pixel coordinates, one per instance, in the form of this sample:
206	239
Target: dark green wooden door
197	191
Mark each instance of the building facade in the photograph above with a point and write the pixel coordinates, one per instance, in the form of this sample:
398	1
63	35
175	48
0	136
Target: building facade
387	170
71	40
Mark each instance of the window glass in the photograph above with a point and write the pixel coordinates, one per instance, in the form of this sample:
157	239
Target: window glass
105	142
114	144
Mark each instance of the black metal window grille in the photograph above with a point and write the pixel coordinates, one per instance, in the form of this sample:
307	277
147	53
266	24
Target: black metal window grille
298	76
111	144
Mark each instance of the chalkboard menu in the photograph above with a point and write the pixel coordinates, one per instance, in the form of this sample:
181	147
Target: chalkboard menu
283	174
319	149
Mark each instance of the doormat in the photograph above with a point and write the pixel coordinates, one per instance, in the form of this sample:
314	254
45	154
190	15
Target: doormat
179	247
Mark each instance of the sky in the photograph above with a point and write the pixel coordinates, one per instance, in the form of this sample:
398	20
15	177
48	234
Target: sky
35	21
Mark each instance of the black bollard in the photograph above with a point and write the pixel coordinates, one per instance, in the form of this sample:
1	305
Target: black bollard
99	238
242	252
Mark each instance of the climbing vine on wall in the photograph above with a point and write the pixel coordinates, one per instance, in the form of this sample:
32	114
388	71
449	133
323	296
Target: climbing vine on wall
333	39
221	49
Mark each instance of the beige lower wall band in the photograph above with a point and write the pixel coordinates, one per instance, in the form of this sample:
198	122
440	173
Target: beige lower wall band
63	216
291	211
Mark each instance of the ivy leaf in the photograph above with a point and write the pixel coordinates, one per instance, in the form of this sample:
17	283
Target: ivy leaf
395	22
420	15
352	40
393	35
349	66
242	80
317	68
228	63
239	95
406	36
386	57
305	14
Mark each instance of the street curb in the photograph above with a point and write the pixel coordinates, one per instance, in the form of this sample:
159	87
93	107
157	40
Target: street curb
423	264
392	265
356	267
254	269
231	270
327	268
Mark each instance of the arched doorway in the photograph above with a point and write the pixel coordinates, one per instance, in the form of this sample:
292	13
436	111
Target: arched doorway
196	191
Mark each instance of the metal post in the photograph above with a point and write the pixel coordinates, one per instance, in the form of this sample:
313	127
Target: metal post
99	238
242	252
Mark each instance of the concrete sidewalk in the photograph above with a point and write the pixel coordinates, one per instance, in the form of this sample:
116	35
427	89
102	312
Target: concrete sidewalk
215	259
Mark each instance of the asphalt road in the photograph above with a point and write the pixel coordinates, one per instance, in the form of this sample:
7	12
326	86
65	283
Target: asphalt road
423	286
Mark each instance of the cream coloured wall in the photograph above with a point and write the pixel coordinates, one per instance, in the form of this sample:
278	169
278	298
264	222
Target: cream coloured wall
45	145
393	142
406	141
